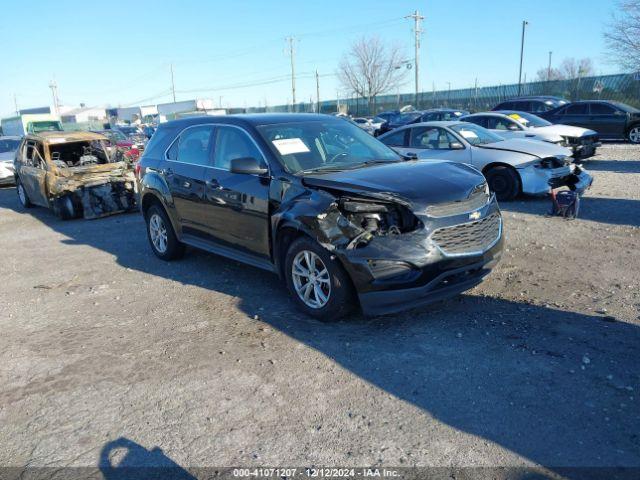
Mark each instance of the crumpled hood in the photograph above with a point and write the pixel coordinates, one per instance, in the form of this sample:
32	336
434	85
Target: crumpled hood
417	183
536	148
565	131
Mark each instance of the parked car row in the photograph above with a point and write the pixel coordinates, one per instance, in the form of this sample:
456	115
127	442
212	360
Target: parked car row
343	218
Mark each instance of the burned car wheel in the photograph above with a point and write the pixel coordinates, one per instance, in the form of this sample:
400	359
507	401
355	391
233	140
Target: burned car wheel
161	235
317	282
64	208
504	182
22	195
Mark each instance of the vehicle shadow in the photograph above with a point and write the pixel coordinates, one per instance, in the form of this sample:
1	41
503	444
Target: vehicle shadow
615	211
615	166
124	459
555	387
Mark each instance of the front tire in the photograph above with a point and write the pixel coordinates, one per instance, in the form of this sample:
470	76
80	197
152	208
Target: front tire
317	282
504	181
22	195
162	238
634	134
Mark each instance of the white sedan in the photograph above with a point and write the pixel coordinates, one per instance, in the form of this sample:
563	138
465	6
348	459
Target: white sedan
511	167
8	147
513	124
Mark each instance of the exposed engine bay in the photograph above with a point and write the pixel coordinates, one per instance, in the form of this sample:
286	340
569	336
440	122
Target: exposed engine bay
79	154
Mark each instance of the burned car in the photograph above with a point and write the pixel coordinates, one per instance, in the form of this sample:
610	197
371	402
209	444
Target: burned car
73	174
334	212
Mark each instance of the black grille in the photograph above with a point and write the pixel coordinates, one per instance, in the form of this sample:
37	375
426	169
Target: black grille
477	200
469	237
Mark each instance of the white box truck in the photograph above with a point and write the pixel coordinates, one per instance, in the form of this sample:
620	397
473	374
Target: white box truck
30	123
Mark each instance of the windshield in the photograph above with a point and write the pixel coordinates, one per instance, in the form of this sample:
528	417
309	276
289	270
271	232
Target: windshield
324	145
529	119
407	117
8	145
476	135
44	126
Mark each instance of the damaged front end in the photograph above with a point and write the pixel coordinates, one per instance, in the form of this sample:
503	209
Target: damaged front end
398	254
93	191
539	177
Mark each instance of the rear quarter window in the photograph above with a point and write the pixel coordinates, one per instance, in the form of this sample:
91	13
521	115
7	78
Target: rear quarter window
160	141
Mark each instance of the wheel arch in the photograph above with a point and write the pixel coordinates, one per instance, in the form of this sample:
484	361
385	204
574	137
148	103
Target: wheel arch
491	165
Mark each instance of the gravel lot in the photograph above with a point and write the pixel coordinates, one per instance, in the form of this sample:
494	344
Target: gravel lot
204	362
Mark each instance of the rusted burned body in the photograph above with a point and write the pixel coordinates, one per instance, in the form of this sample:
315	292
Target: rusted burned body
73	174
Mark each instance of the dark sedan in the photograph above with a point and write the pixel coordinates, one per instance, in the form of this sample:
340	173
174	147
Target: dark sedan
612	120
420	116
336	213
532	104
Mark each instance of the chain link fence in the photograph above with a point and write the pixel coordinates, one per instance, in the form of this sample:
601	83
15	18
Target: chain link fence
623	88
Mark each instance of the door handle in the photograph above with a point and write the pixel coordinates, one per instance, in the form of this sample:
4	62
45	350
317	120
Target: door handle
186	184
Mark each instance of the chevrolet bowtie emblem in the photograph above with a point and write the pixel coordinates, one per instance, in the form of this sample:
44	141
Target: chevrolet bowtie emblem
474	215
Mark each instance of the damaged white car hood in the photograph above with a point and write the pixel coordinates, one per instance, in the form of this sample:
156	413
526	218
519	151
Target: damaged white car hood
563	131
531	147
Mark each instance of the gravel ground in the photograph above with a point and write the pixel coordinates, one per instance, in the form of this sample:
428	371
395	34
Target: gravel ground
105	349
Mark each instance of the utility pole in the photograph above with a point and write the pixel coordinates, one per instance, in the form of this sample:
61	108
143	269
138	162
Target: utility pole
549	67
317	92
417	18
524	24
15	104
54	92
448	93
292	54
173	84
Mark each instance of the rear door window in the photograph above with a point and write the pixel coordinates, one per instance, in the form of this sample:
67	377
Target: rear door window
602	109
577	109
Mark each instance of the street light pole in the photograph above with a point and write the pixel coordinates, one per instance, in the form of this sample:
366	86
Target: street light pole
549	68
524	25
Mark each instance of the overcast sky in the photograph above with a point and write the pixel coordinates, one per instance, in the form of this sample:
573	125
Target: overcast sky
119	53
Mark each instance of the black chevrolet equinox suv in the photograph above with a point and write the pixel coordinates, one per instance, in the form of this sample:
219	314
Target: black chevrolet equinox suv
338	215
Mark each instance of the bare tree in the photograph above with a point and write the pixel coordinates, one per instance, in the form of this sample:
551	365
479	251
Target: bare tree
571	68
623	35
370	68
545	74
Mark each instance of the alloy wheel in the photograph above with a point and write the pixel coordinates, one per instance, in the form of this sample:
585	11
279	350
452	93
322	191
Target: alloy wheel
634	135
311	279
158	233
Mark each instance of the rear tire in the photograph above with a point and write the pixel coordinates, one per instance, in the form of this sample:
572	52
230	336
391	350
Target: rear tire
313	273
634	134
162	238
504	182
22	195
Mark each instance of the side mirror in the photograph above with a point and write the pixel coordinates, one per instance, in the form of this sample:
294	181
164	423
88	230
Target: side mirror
456	146
248	165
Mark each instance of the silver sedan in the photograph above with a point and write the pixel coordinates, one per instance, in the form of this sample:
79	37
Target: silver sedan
511	167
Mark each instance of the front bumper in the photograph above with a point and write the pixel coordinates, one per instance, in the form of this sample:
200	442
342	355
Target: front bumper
583	148
539	181
398	272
